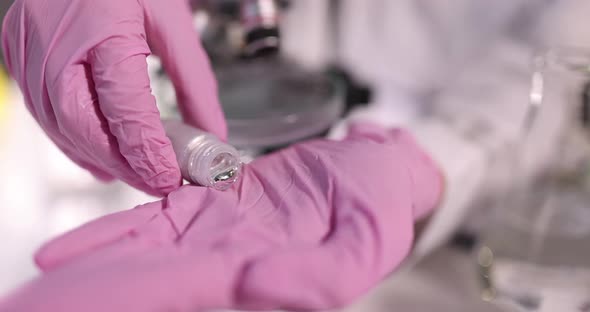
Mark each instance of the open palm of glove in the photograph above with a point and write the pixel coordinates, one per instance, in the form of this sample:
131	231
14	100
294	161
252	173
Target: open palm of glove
310	227
81	65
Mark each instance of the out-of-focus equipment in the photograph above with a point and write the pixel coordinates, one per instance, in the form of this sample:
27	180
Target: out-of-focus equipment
534	257
269	99
242	28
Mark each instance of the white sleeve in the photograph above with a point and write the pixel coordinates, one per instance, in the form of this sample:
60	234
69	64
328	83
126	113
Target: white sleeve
418	45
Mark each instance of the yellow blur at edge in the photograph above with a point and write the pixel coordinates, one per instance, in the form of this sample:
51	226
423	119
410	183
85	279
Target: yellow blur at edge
4	96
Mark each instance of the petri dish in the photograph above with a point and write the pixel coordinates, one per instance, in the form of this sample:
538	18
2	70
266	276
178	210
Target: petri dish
272	102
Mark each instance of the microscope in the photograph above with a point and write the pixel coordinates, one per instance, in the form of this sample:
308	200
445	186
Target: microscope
245	29
270	100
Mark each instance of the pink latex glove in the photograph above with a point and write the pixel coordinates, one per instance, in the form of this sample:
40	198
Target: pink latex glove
311	227
81	65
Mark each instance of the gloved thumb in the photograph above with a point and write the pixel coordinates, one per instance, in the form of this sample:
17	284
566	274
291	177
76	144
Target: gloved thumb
173	38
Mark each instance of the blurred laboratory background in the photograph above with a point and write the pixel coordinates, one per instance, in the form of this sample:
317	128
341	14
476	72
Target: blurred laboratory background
497	91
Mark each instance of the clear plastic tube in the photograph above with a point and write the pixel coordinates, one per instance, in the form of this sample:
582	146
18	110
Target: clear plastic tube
202	157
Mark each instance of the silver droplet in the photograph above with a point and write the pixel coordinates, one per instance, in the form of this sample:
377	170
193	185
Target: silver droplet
226	175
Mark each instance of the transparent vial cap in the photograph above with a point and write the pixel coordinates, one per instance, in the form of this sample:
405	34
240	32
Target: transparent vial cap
224	171
213	163
203	158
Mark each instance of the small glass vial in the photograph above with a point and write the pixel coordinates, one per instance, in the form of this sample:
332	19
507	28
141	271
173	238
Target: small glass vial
203	158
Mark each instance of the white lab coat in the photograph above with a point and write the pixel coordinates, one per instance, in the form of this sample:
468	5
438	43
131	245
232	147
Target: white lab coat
456	73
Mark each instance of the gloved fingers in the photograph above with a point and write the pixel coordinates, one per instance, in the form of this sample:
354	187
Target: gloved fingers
172	35
371	233
164	279
119	71
427	177
82	129
67	105
93	235
191	214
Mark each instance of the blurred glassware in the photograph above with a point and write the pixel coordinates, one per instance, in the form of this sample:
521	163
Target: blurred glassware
535	255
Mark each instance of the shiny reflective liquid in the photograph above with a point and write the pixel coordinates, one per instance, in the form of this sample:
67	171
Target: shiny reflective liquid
225	171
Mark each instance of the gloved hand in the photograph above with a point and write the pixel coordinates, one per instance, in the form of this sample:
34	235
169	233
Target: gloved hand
310	227
81	65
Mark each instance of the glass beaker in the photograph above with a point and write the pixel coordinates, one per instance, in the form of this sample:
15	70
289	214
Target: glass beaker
535	256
